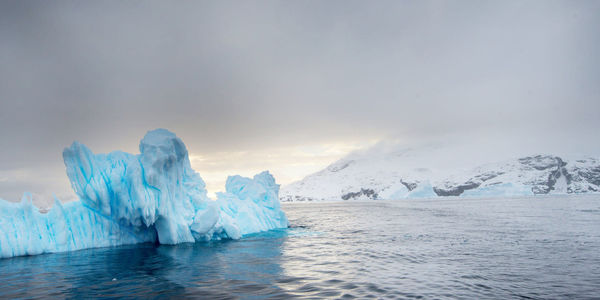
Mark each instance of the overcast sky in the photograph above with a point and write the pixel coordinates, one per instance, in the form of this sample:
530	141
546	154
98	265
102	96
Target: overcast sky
288	86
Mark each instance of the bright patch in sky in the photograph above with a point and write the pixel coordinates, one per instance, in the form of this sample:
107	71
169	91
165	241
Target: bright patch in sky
287	164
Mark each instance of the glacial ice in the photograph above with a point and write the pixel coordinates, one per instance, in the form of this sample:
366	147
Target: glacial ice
154	196
500	190
423	190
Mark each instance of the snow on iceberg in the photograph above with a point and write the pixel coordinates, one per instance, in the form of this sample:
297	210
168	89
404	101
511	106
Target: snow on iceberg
154	196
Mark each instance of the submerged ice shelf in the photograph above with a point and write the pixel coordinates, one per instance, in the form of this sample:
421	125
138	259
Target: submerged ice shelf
154	196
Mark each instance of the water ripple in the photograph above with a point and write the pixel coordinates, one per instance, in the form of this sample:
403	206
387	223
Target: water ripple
443	249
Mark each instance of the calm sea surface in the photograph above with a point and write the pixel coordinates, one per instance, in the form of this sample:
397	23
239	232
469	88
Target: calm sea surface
534	248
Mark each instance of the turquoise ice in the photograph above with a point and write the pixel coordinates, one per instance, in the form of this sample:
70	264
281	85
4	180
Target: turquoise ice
154	196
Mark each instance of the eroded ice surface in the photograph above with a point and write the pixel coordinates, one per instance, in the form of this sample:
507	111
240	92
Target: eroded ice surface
154	196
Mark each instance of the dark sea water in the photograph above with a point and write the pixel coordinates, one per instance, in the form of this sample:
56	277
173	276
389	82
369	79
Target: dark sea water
534	248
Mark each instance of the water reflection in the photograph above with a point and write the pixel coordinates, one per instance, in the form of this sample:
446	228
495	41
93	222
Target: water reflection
225	269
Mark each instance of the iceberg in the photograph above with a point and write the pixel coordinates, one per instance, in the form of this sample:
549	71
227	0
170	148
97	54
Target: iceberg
154	196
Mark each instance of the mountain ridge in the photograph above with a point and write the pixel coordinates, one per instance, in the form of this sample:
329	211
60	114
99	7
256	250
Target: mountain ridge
408	173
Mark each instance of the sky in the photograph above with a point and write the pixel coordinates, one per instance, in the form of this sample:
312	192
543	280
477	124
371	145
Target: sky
288	86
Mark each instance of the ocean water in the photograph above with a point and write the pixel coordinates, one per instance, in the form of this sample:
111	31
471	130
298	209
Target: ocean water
532	248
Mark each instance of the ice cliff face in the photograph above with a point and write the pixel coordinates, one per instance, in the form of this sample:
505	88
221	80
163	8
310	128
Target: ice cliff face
154	196
430	173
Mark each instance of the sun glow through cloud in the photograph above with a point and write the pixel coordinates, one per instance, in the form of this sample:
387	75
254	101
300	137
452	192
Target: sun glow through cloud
287	164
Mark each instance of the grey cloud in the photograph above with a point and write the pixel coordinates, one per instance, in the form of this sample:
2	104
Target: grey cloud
253	75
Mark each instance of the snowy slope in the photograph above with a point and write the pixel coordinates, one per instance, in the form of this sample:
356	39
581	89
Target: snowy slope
445	171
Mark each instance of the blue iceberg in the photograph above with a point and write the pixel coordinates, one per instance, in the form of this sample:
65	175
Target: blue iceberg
154	196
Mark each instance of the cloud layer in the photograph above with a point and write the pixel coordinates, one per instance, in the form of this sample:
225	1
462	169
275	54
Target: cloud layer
255	77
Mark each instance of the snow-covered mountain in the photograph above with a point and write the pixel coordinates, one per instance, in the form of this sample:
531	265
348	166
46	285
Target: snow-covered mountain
436	171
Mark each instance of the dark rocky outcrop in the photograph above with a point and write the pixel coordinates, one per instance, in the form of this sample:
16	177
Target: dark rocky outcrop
409	185
456	190
369	193
540	162
592	175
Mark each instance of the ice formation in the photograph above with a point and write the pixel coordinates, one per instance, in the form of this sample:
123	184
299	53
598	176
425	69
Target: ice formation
154	196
